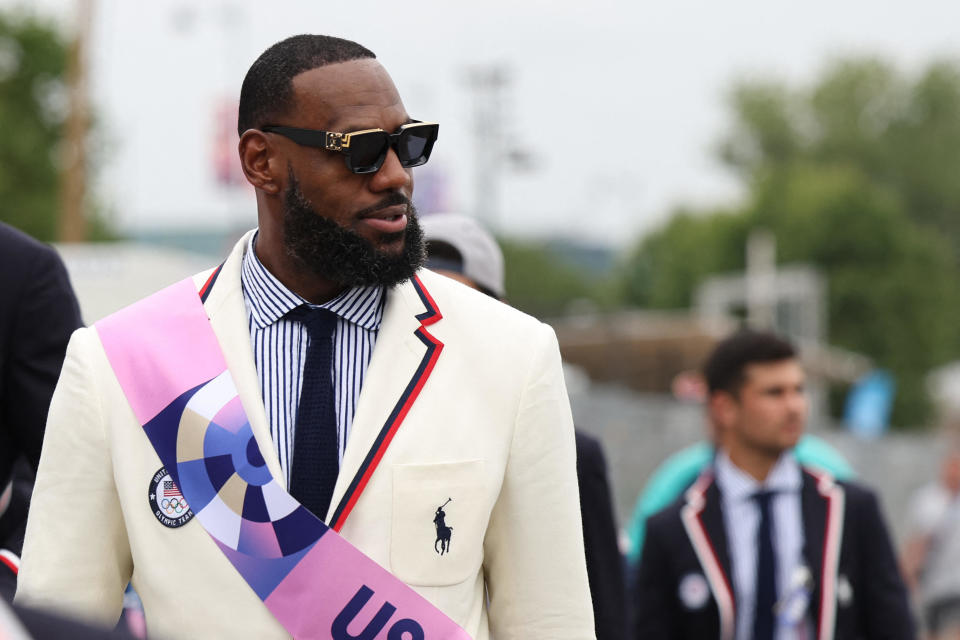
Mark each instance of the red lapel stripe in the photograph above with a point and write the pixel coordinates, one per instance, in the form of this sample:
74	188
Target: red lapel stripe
205	289
10	559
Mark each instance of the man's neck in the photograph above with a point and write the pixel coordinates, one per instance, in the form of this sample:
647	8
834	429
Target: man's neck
302	282
756	464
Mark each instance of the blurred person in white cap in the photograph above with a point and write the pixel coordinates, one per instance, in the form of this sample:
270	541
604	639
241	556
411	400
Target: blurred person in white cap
460	248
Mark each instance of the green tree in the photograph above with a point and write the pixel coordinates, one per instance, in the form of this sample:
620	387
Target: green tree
893	289
541	283
901	132
854	175
33	58
667	265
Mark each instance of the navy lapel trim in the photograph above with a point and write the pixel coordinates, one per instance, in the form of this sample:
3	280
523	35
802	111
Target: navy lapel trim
400	410
691	515
830	562
208	285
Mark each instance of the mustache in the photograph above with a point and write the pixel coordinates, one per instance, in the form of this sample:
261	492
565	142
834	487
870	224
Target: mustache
391	200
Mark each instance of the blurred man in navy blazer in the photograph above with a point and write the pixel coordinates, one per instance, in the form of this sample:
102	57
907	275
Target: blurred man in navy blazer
760	547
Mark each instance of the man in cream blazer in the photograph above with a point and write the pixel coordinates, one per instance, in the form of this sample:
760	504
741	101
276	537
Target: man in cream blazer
471	390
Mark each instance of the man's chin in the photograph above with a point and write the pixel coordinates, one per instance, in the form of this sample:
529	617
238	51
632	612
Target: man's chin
391	244
355	255
792	435
385	242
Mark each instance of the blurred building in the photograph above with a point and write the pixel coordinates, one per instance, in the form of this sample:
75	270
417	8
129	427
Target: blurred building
108	276
656	351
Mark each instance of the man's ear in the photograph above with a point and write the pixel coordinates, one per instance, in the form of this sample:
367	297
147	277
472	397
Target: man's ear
723	408
260	162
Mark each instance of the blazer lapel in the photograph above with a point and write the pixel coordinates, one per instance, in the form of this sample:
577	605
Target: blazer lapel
228	319
822	506
712	518
402	360
813	507
702	517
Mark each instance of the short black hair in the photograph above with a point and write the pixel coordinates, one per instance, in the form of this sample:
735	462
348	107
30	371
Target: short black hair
267	90
725	367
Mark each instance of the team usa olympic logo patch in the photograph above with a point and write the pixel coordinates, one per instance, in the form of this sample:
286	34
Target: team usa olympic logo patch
168	504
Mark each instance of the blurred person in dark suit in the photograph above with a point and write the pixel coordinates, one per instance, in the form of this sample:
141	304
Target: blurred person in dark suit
38	312
761	547
604	562
459	248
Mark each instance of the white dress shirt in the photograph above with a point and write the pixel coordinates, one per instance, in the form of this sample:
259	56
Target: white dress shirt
741	518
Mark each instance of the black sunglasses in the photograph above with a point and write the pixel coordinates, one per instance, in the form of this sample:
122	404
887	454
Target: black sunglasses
366	150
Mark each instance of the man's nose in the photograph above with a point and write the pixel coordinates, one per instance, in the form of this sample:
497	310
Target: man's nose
797	401
392	175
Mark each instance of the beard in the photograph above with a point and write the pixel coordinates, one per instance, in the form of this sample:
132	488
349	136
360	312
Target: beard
342	256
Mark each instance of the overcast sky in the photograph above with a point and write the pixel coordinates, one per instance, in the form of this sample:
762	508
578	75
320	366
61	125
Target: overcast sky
617	104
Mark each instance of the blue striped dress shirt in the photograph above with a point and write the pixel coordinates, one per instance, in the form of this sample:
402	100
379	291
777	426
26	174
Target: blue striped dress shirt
280	349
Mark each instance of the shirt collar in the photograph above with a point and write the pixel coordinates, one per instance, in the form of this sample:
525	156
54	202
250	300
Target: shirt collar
736	484
269	300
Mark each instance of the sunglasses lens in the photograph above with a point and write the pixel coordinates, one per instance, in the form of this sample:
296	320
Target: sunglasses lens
415	144
367	151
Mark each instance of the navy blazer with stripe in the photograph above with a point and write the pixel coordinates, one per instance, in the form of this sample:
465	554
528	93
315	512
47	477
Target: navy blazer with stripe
857	589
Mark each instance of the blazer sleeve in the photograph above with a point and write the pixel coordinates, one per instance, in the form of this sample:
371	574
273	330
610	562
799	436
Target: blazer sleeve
885	608
533	551
76	554
654	603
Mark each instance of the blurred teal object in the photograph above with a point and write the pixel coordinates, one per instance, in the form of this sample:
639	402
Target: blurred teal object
667	482
678	472
812	451
867	413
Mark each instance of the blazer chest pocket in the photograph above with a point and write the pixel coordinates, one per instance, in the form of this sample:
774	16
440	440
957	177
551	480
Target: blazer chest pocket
439	520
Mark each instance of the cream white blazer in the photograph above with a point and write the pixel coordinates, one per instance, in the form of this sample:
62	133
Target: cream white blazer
491	429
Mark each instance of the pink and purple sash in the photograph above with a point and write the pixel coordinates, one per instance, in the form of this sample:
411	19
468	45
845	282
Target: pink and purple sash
172	371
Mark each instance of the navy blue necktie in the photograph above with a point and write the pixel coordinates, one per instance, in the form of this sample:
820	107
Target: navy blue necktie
316	459
766	593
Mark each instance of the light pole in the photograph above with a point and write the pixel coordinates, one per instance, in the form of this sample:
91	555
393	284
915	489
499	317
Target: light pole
73	186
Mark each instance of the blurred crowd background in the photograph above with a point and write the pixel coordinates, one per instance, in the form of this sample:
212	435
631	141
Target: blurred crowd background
656	175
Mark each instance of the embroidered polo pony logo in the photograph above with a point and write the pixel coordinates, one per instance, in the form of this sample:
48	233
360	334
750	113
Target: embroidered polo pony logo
443	531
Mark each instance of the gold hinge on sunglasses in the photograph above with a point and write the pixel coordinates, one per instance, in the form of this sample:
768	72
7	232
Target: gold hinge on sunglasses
335	141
